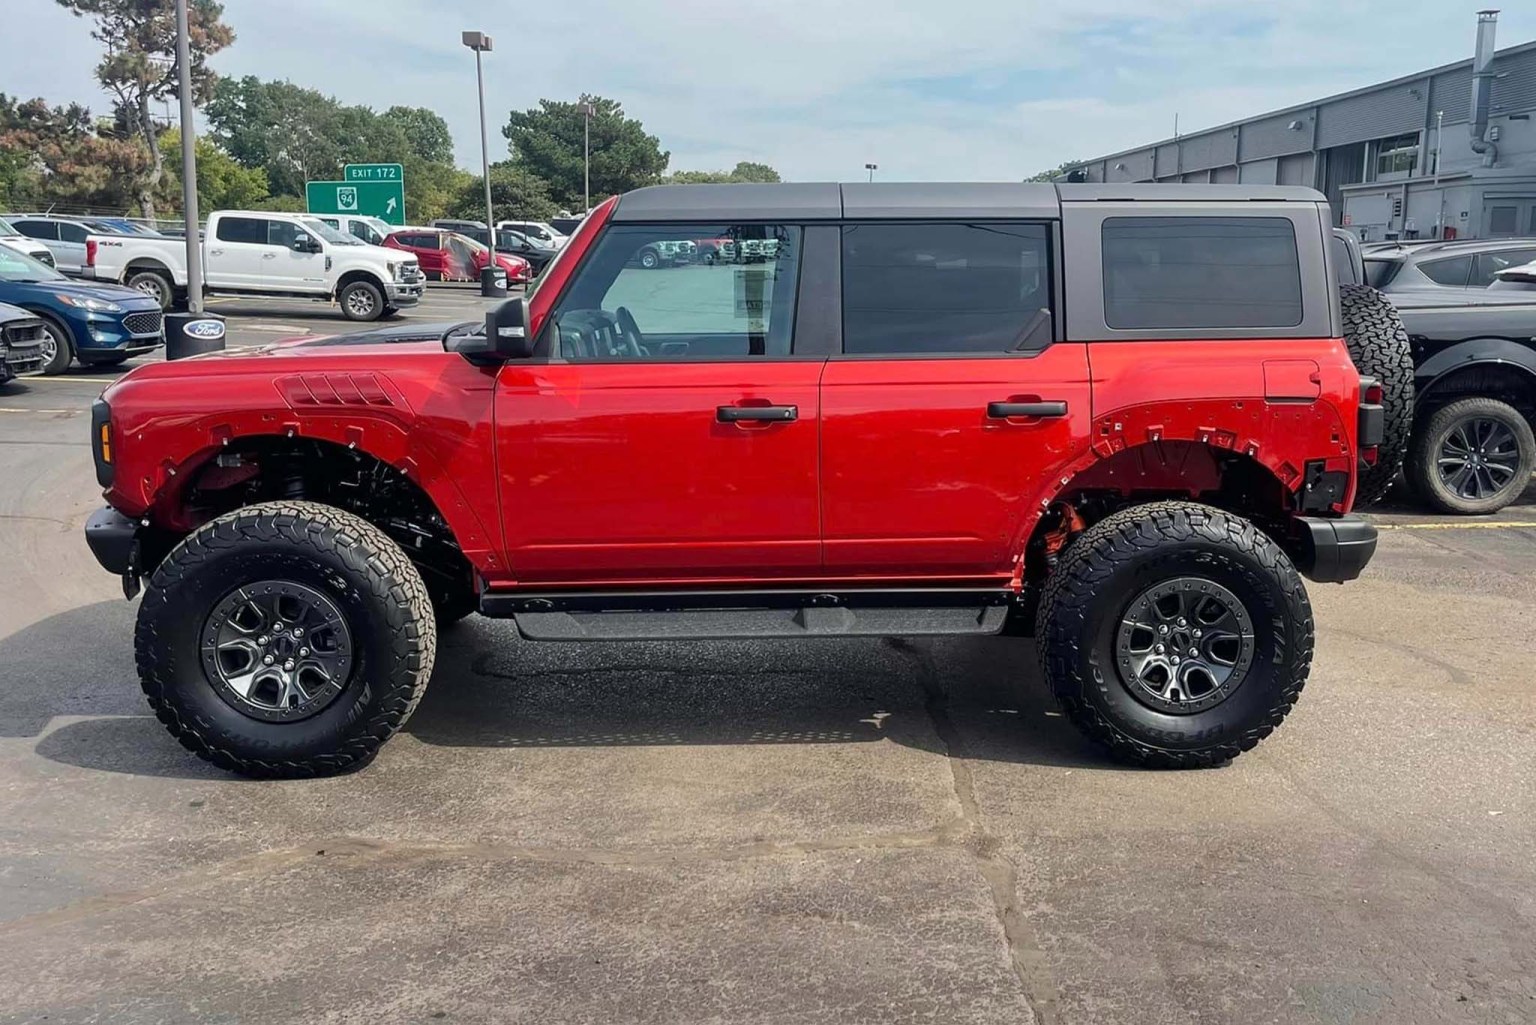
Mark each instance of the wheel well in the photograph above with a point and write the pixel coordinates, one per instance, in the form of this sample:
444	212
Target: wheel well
1154	472
144	263
262	469
1506	382
359	275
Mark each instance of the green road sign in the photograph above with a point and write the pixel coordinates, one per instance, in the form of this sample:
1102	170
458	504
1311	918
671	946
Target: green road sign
384	200
373	173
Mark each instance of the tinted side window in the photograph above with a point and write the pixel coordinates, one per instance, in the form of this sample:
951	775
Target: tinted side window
251	230
38	229
1200	272
644	293
283	233
73	232
936	288
1488	264
1453	272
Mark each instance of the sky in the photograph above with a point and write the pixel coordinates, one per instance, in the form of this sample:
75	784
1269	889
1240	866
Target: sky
957	90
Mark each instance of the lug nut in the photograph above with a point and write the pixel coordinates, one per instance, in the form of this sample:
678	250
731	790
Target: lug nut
288	666
303	652
1158	649
267	660
298	631
1193	652
1163	629
1174	660
1182	621
262	639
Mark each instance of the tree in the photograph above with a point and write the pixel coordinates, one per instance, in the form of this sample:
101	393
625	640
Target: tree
1054	173
294	134
424	131
546	141
139	65
222	183
745	171
59	154
515	195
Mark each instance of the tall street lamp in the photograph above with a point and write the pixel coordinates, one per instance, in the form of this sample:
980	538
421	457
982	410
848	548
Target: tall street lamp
481	43
587	110
871	168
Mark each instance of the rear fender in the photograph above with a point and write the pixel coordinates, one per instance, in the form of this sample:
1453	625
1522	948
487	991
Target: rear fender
1473	352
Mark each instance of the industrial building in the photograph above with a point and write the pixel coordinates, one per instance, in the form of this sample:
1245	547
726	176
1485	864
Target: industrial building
1444	153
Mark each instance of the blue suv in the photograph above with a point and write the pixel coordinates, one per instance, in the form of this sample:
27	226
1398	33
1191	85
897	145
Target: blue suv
100	325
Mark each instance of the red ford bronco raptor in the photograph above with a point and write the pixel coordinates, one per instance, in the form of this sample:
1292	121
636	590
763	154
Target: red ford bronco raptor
1122	419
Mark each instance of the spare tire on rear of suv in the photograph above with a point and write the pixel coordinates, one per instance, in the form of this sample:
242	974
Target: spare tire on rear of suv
1378	344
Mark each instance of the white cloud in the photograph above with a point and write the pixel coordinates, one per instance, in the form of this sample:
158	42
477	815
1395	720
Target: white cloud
965	89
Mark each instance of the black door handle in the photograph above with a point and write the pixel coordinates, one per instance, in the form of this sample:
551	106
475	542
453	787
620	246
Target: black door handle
1004	410
773	414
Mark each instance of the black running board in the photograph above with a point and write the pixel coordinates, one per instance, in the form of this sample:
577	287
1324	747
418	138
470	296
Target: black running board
721	615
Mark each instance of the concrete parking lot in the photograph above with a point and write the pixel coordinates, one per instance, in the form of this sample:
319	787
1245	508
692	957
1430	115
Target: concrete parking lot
833	831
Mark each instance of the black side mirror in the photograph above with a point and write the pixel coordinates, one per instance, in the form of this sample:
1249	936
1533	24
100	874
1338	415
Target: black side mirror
506	335
305	244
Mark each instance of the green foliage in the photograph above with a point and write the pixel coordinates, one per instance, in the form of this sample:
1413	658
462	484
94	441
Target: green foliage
426	134
547	141
745	171
1054	173
57	156
284	204
138	67
515	195
222	183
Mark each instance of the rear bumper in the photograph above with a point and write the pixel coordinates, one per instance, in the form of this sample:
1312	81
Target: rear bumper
113	538
1334	550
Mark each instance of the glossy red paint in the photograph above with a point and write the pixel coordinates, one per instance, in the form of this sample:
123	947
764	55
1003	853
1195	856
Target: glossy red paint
412	405
623	471
914	472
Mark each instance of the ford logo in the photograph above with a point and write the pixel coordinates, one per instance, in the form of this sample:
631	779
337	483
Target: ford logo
208	329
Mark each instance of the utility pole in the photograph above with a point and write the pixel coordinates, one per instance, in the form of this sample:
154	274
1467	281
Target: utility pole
481	43
188	161
587	110
871	168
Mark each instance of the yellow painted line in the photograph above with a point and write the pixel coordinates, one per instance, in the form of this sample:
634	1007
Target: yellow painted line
9	409
1482	525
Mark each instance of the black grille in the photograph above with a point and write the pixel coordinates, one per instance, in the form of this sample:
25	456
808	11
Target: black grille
26	333
142	323
45	257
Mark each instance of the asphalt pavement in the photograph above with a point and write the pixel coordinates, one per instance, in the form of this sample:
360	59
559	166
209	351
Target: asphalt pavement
828	831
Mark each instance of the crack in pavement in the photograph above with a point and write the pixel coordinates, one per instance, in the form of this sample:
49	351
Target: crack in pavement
1029	960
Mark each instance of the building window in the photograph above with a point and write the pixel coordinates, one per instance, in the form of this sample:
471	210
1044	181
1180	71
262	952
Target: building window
1397	156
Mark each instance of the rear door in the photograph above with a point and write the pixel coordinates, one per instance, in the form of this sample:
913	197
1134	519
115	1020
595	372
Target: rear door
235	248
952	402
70	249
668	432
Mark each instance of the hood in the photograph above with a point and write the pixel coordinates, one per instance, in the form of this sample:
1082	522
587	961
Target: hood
129	298
11	314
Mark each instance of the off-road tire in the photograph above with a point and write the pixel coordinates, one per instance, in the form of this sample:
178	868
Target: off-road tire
355	565
374	311
1378	345
1423	469
64	346
164	292
1090	591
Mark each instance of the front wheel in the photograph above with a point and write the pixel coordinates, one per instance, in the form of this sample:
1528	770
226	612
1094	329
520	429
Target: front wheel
288	639
362	300
58	347
1175	634
1473	456
650	260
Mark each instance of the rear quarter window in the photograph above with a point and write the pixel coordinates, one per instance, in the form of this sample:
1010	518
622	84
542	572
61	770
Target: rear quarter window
1453	272
1204	273
242	229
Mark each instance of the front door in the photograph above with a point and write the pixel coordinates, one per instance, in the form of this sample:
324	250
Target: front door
668	432
950	404
285	268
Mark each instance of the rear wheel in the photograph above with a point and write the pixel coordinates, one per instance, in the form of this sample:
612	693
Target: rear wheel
361	300
154	284
1473	456
1378	345
58	346
1175	634
287	639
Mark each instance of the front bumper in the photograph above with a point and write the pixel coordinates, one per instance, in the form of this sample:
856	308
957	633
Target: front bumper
1332	551
114	540
398	293
23	359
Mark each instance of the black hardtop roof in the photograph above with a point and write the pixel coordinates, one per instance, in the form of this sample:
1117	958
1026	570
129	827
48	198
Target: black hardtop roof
811	201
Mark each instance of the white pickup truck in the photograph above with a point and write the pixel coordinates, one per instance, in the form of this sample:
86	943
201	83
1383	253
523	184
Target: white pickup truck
260	253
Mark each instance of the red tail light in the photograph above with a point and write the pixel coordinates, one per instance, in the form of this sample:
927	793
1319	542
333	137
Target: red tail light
90	252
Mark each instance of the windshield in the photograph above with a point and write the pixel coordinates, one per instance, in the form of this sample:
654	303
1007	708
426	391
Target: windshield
6	228
17	267
322	230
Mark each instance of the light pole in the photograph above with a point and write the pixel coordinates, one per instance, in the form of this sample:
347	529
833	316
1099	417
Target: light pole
871	168
481	43
206	332
587	110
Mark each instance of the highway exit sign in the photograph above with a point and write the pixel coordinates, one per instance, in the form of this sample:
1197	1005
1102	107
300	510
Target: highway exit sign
382	199
373	173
